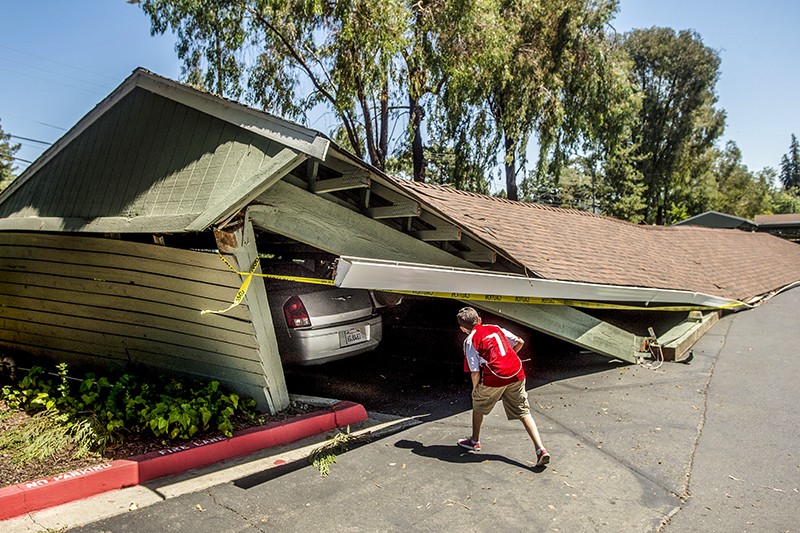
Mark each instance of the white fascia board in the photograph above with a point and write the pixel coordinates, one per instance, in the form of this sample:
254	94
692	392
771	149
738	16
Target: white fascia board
362	273
146	224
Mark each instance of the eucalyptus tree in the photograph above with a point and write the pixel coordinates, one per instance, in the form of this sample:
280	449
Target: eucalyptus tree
676	75
287	56
594	127
524	69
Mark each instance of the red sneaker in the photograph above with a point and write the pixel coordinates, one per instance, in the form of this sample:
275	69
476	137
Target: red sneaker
470	444
542	457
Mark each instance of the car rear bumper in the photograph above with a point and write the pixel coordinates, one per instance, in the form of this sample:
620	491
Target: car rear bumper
316	346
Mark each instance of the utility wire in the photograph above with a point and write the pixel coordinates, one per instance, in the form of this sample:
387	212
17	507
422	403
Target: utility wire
52	81
57	62
34	121
56	73
29	140
20	159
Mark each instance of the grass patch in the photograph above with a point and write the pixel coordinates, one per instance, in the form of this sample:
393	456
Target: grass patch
43	436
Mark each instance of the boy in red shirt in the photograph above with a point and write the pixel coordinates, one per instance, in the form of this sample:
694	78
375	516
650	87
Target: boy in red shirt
490	355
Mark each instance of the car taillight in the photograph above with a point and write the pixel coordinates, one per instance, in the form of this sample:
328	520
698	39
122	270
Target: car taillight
296	314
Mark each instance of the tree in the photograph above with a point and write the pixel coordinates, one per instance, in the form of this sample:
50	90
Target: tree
790	166
516	73
741	193
676	75
7	151
288	56
600	112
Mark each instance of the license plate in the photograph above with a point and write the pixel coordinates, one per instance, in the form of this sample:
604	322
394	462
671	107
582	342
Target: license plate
353	336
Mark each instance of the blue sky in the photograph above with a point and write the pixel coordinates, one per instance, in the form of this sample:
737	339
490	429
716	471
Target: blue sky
59	58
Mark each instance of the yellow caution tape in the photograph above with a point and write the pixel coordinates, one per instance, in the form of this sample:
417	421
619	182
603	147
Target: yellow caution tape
467	296
240	294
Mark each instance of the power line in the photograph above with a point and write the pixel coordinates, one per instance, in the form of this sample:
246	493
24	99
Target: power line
56	73
34	121
29	140
20	159
52	81
57	62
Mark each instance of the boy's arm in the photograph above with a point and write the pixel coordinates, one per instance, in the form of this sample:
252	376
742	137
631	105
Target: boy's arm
476	378
515	342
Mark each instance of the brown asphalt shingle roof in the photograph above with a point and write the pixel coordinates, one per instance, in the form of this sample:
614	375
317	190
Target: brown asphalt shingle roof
790	218
570	245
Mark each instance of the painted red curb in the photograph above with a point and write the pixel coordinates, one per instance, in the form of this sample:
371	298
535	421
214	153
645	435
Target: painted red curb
203	453
69	486
40	494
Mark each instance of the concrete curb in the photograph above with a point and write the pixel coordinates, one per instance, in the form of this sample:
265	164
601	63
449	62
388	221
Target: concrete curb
79	484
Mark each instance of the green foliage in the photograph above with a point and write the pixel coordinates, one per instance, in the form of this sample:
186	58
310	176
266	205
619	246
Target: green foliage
740	193
790	166
44	435
323	457
535	68
786	201
167	408
676	75
7	151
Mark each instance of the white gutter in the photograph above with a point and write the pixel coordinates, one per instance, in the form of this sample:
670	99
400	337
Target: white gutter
465	284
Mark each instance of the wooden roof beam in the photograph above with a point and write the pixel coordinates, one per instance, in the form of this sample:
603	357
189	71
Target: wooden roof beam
340	184
398	210
479	256
445	233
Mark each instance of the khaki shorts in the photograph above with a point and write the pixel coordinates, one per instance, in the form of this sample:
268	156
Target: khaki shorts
514	396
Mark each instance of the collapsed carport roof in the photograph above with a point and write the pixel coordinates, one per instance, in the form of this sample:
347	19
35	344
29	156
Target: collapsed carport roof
571	245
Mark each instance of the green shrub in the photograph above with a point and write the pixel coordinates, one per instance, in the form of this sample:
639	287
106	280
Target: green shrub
112	407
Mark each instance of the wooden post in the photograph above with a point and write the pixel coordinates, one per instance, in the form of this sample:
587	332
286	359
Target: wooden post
276	393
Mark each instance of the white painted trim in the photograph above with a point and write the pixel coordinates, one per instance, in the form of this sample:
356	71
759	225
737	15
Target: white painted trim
145	224
355	272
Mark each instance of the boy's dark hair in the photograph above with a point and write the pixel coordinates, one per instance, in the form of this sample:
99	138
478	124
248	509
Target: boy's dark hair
468	317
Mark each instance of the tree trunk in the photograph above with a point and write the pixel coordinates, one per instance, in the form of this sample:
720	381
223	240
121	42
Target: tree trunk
383	142
369	129
417	156
511	168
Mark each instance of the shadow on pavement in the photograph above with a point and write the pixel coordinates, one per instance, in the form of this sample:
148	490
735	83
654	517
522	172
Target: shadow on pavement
454	454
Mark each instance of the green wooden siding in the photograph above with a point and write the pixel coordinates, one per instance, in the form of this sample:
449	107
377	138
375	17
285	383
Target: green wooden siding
146	156
102	301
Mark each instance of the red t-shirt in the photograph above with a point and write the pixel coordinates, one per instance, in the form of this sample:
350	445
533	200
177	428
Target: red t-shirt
488	349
